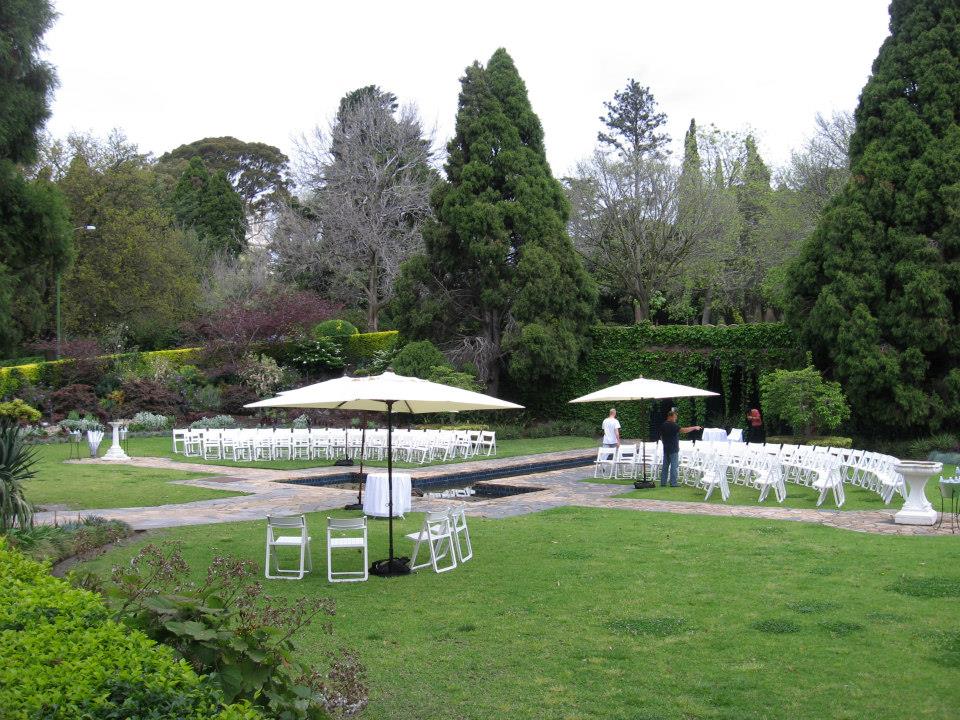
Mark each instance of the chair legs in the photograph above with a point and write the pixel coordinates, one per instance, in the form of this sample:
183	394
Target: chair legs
279	573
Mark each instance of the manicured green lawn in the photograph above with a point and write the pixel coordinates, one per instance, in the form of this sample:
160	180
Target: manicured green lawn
587	613
798	496
162	447
108	486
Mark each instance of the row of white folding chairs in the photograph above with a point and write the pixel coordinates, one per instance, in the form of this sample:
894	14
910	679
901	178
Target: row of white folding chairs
626	461
285	443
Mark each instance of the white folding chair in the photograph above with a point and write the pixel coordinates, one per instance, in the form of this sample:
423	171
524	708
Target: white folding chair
488	442
605	464
300	540
625	464
715	476
437	532
461	535
342	535
179	441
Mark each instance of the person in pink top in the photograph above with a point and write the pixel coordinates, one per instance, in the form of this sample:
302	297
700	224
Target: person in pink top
755	426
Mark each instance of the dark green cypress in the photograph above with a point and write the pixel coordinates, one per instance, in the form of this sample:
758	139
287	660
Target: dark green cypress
499	264
876	290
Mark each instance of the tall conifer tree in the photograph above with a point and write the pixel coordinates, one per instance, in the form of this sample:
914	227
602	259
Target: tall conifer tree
876	290
500	274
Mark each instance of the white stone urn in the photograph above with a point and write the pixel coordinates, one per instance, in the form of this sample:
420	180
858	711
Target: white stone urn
916	510
116	451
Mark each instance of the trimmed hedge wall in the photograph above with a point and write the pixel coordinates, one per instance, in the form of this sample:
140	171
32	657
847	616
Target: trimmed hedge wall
48	373
62	657
726	359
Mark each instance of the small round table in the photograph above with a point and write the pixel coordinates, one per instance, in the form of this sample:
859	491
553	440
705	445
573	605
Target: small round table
376	500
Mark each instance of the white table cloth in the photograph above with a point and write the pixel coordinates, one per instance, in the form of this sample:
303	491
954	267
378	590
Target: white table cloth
714	434
375	501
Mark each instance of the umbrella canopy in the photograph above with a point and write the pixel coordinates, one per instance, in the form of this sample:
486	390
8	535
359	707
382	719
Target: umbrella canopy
377	392
387	393
643	389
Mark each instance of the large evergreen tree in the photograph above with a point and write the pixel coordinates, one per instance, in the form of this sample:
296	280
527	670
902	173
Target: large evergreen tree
34	226
876	290
500	280
209	204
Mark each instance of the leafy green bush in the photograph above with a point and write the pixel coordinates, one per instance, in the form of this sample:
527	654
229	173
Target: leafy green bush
333	328
19	412
446	375
203	398
241	639
323	353
216	422
417	359
61	657
364	346
149	422
804	400
261	373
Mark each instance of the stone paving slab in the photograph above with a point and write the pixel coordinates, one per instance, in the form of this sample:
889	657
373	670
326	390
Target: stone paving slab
560	488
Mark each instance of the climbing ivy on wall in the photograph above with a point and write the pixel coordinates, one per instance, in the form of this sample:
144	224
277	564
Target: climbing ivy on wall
726	359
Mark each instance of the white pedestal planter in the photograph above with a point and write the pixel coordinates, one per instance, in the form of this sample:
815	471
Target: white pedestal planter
116	452
917	510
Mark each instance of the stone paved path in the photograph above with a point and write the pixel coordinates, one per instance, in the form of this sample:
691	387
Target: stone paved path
559	488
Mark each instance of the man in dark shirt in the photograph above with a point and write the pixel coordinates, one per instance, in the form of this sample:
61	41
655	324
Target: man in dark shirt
670	437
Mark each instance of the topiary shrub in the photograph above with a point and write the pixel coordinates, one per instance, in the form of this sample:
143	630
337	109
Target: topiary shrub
62	657
417	359
19	412
334	328
151	396
75	398
234	397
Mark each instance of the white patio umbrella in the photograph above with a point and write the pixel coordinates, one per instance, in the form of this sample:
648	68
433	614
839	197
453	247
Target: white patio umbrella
643	388
387	393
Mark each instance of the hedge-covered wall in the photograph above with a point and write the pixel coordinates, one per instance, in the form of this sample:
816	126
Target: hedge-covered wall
724	358
62	657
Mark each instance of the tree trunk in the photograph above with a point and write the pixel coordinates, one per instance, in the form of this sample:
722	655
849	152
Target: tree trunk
641	309
373	304
707	303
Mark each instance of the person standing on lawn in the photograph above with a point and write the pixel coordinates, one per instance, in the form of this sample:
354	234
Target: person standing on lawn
756	426
611	430
670	437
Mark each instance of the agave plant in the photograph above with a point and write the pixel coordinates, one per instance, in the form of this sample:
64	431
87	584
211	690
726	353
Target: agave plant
17	460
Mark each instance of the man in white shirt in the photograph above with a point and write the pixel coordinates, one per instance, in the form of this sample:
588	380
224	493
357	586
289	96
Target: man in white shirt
611	430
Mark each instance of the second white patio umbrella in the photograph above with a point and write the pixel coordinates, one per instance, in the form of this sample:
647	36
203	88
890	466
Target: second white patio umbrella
387	393
642	388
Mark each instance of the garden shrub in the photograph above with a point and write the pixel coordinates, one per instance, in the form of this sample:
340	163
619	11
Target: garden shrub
74	423
75	398
334	328
234	397
446	375
261	373
363	347
417	359
17	466
62	658
943	442
149	422
214	423
804	400
151	396
203	398
226	628
19	412
54	543
322	353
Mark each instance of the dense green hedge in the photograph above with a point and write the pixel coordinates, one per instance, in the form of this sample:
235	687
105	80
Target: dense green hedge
62	657
725	359
48	373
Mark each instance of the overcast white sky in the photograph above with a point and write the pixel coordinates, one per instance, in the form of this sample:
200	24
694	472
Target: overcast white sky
172	72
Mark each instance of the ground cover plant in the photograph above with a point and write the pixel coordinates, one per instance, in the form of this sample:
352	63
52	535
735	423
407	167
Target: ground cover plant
83	486
588	613
798	496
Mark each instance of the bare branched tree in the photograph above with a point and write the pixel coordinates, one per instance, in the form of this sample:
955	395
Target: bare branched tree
367	183
821	168
636	224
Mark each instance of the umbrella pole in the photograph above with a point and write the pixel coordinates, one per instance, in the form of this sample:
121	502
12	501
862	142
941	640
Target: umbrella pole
363	439
390	473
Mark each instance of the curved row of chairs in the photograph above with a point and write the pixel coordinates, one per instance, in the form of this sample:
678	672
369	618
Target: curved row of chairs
764	467
414	446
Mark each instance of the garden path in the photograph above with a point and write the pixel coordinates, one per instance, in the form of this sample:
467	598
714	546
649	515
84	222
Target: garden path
559	488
